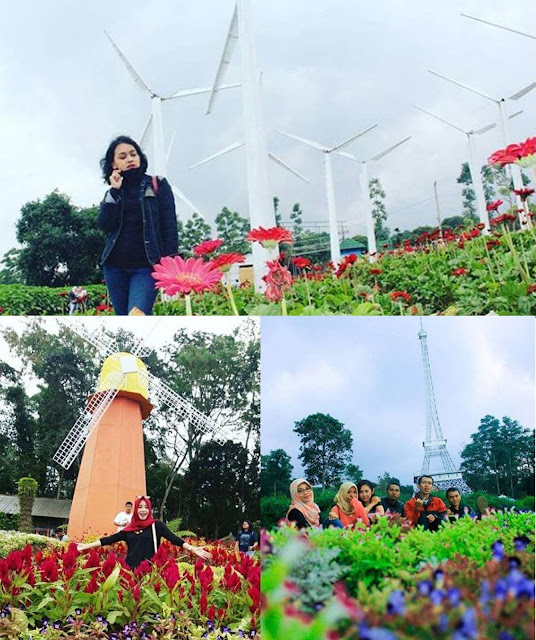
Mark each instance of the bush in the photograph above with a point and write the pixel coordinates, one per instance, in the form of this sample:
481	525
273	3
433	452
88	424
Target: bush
9	522
15	541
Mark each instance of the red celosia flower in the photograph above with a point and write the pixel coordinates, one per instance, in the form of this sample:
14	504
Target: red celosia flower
49	570
493	206
301	263
211	612
375	271
209	246
176	275
226	260
532	288
278	279
205	578
136	592
462	271
524	193
395	295
203	604
270	238
92	585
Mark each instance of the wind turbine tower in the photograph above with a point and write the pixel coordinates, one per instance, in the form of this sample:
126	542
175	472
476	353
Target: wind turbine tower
437	461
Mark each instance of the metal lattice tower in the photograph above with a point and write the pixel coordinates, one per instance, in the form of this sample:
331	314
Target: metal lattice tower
445	474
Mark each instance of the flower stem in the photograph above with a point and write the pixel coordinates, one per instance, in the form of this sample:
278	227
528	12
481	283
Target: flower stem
188	302
283	306
229	290
307	289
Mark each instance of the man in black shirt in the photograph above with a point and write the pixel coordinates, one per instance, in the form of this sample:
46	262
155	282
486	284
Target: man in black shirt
392	502
455	507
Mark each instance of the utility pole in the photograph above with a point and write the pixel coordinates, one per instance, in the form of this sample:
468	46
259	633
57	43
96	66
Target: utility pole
437	209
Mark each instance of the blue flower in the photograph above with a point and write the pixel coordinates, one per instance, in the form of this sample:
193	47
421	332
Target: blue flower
318	606
521	543
504	635
443	623
468	626
454	596
498	550
436	597
376	633
395	603
424	587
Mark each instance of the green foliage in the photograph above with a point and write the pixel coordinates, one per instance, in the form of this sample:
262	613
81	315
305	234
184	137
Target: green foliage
232	229
9	522
21	300
379	212
325	450
195	231
16	541
276	473
296	218
61	243
27	490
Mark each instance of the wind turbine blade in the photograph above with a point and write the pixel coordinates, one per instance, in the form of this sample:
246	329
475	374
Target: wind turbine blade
315	145
147	134
170	147
135	75
438	118
488	127
350	140
521	33
283	164
522	92
464	86
180	195
194	92
231	147
226	57
200	422
347	155
88	420
384	153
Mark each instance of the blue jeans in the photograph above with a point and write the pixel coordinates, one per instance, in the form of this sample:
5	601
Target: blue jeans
130	288
332	523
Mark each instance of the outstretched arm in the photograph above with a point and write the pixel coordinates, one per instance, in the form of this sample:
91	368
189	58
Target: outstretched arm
169	535
89	545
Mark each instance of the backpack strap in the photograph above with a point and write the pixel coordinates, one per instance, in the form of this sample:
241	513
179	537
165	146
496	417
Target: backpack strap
153	527
155	185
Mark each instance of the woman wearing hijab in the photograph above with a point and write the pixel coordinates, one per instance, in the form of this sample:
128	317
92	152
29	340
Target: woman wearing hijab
143	536
347	510
303	511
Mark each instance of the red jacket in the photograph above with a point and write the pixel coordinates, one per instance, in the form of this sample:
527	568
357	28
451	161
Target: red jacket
412	513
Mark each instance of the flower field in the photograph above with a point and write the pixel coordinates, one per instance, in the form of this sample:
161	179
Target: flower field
59	593
471	579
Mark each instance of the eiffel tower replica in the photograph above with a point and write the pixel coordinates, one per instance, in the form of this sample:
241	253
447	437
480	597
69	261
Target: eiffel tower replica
437	461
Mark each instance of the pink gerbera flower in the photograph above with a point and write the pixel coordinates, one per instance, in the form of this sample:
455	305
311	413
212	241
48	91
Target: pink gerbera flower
206	247
176	275
278	279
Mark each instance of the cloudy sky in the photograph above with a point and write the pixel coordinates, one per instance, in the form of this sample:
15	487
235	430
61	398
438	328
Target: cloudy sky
367	373
330	70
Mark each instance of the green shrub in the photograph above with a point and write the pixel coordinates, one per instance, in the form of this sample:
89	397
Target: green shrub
15	540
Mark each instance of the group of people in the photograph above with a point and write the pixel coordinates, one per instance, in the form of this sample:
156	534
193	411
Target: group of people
355	503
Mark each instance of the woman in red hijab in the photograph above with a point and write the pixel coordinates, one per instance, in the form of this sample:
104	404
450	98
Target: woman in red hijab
143	536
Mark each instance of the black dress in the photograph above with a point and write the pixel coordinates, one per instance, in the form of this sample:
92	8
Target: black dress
140	544
295	515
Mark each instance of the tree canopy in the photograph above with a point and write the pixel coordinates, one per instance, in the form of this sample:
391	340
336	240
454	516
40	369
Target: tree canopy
276	473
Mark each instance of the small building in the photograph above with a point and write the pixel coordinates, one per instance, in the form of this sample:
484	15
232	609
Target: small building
349	246
47	513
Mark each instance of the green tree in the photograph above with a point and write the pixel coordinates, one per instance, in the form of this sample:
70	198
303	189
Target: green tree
383	483
468	193
296	218
379	212
27	490
314	246
195	231
10	272
352	473
325	450
232	229
500	458
276	212
276	473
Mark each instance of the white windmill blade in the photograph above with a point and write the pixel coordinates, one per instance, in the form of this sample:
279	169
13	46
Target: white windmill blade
146	138
286	166
104	344
345	154
522	92
88	420
492	125
180	195
440	119
231	147
159	391
464	86
384	153
184	93
135	75
226	57
139	349
350	140
315	145
500	26
170	147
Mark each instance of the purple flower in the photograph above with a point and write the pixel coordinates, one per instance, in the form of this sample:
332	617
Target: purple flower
504	635
436	597
376	633
424	587
498	550
454	596
395	603
521	543
468	626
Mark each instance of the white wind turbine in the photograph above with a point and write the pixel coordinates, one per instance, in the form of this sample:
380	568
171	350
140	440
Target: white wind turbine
364	183
261	210
330	191
155	128
476	178
515	171
500	26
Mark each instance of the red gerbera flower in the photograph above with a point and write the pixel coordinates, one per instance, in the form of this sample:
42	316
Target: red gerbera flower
270	238
278	279
301	263
176	275
395	295
493	206
208	246
226	260
524	193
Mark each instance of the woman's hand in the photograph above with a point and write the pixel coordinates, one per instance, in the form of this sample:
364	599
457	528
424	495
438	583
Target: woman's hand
116	179
82	547
199	551
375	500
